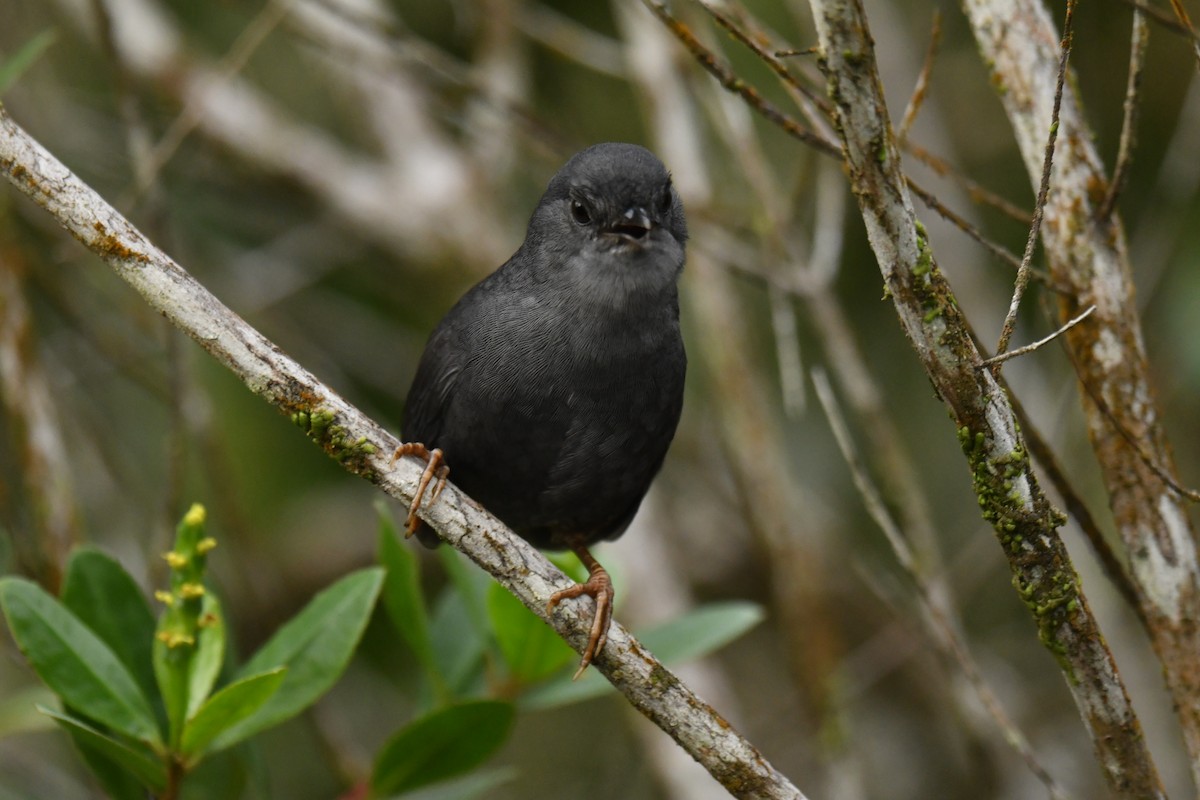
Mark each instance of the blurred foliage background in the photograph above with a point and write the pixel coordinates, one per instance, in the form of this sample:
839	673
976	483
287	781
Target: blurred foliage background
339	172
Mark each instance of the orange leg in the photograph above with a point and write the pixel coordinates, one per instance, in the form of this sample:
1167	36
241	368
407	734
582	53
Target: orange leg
599	587
435	466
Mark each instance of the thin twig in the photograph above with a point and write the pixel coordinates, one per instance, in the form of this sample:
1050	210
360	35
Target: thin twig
1039	209
977	192
243	48
926	197
792	52
1151	463
729	79
561	34
731	82
1029	348
942	631
34	439
1186	22
755	42
1162	18
1137	60
922	87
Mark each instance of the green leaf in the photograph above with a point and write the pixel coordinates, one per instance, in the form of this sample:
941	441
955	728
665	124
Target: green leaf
141	764
74	662
99	591
12	69
209	655
702	631
226	708
531	648
477	784
458	645
116	781
403	599
441	745
562	691
315	646
471	583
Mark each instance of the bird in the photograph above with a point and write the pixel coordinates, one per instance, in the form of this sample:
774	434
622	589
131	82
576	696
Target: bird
552	389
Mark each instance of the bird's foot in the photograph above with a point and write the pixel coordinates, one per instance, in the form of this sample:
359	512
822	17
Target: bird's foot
599	587
435	466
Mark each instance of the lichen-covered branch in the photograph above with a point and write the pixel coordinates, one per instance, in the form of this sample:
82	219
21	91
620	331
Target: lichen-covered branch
364	448
1087	254
1007	489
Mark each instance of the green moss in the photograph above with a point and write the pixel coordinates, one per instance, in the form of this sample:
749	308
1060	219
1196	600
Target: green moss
1042	577
335	440
930	288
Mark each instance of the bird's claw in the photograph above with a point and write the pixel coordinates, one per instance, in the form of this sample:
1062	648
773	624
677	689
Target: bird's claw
599	587
434	467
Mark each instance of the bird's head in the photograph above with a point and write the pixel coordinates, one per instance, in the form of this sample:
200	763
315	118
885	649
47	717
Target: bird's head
612	222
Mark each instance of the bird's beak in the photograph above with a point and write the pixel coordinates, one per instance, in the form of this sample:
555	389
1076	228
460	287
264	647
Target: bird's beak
634	223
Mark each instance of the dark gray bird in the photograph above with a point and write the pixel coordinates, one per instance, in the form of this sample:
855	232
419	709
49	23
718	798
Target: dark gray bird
554	386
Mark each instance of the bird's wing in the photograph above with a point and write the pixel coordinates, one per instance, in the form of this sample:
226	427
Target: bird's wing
440	366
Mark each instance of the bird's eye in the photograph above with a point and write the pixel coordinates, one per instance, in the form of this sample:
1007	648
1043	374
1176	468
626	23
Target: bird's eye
666	199
580	212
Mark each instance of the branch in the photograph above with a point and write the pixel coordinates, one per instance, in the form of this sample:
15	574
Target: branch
1133	87
1007	489
1088	255
1185	22
364	448
390	198
1045	340
922	88
1039	208
941	626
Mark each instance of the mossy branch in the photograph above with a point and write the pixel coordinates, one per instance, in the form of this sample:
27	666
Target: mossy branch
1084	243
1007	489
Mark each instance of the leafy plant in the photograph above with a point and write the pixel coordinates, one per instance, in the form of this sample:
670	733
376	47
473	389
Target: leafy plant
144	702
484	657
138	697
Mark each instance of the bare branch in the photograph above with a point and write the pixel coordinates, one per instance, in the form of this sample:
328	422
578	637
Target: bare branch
1010	320
1137	60
966	227
942	629
978	193
364	448
918	96
756	42
729	79
42	545
1186	23
391	202
247	43
558	32
1029	348
1016	39
1007	489
1162	18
